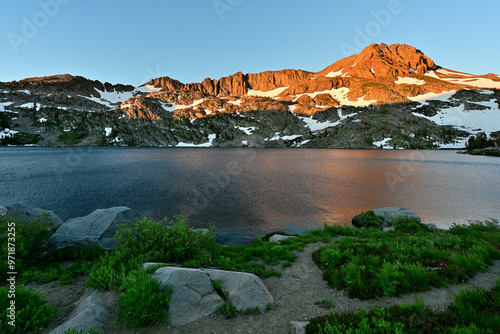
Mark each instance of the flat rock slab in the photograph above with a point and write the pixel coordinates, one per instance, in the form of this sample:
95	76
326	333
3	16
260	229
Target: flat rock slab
94	230
90	312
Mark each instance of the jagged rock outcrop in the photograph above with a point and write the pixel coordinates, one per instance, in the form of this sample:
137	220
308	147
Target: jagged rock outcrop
270	80
70	85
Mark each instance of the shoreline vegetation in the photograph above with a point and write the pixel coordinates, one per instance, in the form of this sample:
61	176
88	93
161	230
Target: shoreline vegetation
366	263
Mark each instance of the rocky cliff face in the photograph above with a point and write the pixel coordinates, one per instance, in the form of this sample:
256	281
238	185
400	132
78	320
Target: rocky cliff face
388	95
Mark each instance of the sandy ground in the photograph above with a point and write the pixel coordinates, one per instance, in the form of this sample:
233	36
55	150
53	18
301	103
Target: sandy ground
295	293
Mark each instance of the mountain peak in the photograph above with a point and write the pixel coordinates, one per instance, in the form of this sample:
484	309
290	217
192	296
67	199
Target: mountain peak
384	61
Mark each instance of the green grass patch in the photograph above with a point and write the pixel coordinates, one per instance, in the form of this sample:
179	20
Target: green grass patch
474	311
391	263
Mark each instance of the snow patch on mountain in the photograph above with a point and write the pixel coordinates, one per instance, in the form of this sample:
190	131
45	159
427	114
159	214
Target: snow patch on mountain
7	133
409	81
110	99
30	105
316	125
340	94
476	82
384	143
270	93
248	129
3	105
443	96
211	138
148	89
334	74
236	103
183	106
474	121
446	72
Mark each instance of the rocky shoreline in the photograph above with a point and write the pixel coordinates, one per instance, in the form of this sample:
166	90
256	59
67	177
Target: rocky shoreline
196	298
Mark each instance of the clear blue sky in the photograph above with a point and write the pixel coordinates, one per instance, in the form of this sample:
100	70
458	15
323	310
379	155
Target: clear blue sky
124	41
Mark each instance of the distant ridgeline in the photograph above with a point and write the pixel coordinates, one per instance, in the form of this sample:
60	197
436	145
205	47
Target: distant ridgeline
387	96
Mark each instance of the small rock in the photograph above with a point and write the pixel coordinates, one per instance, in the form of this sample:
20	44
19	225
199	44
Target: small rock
202	230
278	237
148	265
297	327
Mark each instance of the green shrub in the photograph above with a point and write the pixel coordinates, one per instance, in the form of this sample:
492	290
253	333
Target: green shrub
32	313
371	220
160	241
143	302
28	239
153	241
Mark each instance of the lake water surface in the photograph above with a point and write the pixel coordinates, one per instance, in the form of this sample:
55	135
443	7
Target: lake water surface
245	192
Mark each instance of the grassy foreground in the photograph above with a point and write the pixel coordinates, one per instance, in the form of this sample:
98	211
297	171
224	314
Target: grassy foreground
365	262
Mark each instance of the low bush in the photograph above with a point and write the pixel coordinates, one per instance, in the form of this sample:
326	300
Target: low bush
143	301
153	241
408	224
30	312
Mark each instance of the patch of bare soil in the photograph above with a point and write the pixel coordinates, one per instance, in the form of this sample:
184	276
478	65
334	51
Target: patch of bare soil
295	294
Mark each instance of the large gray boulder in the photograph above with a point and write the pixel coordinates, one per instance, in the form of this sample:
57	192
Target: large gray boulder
243	290
388	215
193	295
27	214
94	230
90	312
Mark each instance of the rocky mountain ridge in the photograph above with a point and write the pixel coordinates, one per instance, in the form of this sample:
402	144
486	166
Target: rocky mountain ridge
386	96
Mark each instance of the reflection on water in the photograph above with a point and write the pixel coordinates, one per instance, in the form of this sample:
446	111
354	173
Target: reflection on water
244	192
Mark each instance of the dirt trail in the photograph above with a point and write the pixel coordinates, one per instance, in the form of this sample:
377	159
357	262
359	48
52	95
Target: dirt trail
295	293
